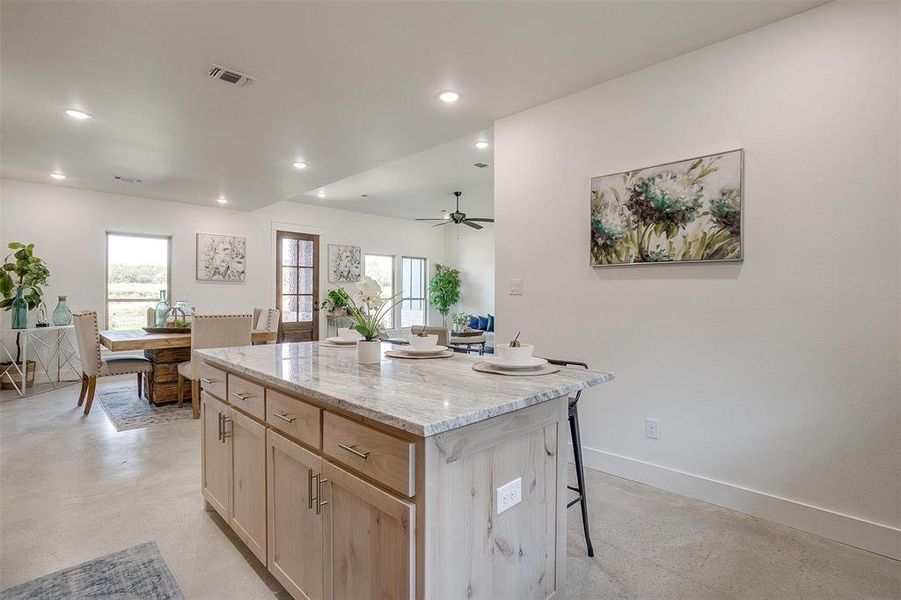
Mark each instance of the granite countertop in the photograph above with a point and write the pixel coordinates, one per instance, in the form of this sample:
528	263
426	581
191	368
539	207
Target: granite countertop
423	397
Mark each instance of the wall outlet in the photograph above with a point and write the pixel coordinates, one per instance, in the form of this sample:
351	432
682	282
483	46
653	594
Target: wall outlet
509	495
652	429
515	287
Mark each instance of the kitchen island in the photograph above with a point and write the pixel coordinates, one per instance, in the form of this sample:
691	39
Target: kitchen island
384	481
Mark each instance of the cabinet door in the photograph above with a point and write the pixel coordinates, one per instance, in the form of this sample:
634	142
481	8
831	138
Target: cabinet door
372	533
295	523
247	514
215	455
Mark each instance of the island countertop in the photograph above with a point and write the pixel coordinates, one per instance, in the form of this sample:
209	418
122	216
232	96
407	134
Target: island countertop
423	397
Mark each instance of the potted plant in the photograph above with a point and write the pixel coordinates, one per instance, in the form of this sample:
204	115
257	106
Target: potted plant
460	320
335	302
368	308
444	289
21	278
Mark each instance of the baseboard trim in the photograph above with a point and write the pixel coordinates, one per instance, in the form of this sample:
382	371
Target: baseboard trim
875	537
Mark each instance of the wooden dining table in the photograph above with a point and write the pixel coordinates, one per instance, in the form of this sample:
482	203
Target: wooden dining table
165	351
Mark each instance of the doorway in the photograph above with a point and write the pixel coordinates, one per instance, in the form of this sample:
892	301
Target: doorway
297	285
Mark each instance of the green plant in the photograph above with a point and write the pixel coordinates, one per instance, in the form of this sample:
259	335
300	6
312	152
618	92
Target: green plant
24	270
460	320
335	299
444	289
368	308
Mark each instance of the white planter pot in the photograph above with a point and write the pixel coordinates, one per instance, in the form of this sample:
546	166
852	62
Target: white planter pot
369	353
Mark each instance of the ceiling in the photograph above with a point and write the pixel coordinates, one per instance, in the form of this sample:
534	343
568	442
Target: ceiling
344	86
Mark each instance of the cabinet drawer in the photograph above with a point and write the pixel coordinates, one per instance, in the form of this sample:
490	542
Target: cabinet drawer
212	380
246	396
293	417
382	457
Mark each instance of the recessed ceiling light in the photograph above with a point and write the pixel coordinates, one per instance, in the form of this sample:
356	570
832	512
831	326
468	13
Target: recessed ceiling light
78	114
449	96
299	164
222	200
321	193
57	176
481	144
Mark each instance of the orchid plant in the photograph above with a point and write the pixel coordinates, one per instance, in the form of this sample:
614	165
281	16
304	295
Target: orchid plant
368	308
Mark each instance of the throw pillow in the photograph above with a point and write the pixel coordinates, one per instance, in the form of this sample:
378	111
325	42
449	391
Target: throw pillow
490	322
483	324
473	321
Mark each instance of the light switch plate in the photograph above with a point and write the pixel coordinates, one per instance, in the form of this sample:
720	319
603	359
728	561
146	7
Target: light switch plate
509	495
515	287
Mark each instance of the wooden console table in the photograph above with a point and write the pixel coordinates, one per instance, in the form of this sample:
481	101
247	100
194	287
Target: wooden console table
165	351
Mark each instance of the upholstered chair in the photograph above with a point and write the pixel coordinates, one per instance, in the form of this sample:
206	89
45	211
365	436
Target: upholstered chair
87	335
266	319
151	317
441	332
210	331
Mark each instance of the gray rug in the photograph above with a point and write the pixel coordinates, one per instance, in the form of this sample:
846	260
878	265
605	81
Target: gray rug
126	410
137	572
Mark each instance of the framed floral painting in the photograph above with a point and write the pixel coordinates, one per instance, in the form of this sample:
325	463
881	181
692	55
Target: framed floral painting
679	212
345	263
220	257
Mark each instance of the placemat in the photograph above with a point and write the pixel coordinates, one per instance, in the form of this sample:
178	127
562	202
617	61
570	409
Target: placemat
483	367
396	354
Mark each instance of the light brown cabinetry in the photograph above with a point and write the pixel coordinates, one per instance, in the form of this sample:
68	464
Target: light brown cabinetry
247	516
373	543
216	454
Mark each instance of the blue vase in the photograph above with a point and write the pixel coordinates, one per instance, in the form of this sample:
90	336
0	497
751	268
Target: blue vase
19	310
61	314
162	309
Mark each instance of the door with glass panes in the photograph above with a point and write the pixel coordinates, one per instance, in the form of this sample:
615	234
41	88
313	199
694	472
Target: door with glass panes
297	286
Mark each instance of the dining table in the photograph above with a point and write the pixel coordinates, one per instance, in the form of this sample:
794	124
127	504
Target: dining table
165	351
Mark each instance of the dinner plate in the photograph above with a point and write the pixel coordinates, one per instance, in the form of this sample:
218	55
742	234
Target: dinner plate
495	361
420	351
340	341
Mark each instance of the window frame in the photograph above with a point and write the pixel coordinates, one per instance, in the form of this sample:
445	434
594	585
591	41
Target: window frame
425	288
106	297
390	293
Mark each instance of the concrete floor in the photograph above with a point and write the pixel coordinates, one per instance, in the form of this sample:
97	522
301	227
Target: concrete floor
73	489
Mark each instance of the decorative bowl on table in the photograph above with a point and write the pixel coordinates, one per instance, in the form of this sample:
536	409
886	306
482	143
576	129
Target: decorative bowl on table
167	329
423	342
514	355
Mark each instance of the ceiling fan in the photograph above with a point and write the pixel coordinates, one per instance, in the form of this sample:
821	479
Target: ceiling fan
458	217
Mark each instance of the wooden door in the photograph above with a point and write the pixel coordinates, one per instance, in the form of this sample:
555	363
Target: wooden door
215	454
297	285
248	481
295	523
372	534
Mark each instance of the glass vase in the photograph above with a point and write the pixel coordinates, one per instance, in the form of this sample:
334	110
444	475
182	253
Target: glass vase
19	310
61	314
162	309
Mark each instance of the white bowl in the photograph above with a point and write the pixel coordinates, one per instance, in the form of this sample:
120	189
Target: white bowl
423	342
346	333
514	355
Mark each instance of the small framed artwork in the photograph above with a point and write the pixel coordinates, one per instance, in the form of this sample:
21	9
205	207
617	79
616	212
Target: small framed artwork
345	263
689	211
221	257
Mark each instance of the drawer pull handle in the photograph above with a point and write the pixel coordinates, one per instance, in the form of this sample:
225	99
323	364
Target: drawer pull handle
319	502
350	448
226	433
209	381
241	396
310	490
219	414
285	417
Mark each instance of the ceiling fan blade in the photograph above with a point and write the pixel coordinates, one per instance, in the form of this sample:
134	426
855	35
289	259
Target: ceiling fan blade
471	224
444	222
481	220
430	219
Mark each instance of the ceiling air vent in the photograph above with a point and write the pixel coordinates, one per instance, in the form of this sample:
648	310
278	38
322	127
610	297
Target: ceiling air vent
480	165
230	75
124	179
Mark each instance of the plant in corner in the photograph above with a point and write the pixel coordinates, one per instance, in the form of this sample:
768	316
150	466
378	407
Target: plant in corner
21	278
444	289
368	308
336	301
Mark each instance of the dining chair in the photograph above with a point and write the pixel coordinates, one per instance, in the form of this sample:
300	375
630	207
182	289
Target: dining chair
151	317
87	337
266	319
441	332
210	331
581	496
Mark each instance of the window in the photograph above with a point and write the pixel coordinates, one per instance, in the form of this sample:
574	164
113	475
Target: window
297	281
137	270
414	308
381	268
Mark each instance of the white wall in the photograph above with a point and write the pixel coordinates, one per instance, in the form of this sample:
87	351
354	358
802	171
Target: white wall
777	380
69	225
472	253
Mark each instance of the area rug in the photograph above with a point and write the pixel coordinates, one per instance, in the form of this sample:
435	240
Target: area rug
126	410
137	572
